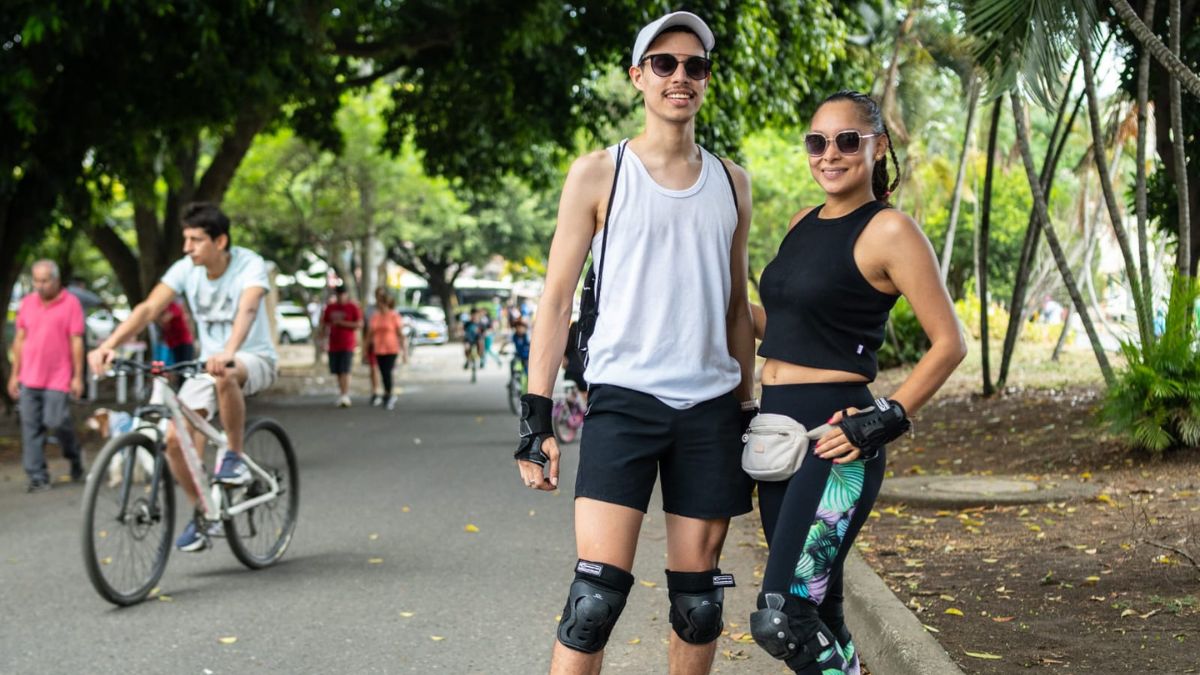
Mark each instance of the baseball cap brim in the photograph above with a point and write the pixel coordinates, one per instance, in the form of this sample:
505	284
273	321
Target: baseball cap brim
656	27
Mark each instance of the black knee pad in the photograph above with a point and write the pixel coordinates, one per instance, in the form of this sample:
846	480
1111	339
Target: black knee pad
832	616
593	606
696	603
789	629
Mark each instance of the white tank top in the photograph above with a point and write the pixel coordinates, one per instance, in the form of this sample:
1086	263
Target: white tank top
665	289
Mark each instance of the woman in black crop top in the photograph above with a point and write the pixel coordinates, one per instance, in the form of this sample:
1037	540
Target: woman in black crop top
826	298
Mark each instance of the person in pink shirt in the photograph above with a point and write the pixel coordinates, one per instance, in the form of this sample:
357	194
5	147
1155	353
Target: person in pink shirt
47	370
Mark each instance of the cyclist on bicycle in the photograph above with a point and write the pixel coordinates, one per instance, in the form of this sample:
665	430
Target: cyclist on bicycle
473	340
520	342
225	288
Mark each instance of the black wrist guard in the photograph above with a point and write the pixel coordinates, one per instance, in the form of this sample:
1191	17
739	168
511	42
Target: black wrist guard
535	427
874	428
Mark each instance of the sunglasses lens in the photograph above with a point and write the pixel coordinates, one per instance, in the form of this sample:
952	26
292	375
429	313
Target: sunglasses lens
815	144
848	142
664	65
697	68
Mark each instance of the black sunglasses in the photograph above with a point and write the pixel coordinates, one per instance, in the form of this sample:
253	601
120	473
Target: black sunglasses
848	142
664	65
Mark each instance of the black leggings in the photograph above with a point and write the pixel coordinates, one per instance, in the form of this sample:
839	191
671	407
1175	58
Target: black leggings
811	519
386	363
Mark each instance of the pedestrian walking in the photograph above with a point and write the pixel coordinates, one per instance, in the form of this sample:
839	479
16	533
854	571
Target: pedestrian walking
339	325
47	371
827	296
668	378
385	333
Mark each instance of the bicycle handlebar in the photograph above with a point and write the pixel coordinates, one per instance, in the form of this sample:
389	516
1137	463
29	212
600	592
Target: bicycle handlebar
156	367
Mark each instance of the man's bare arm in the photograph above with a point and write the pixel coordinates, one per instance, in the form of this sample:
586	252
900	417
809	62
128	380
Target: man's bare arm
739	323
141	316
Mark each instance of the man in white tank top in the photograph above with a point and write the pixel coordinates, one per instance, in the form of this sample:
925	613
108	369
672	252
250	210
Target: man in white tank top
671	360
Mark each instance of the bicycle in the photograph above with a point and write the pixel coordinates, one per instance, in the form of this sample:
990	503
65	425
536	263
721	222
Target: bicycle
518	384
568	413
129	500
473	360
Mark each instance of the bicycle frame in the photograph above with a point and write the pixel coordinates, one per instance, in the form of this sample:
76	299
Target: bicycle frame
210	494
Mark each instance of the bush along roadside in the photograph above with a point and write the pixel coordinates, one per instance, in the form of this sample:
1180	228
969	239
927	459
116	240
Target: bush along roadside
1155	404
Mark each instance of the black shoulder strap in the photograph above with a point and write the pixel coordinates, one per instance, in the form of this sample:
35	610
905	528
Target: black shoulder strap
608	212
731	186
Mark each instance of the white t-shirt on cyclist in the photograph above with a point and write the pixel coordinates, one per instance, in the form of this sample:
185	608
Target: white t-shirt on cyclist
214	302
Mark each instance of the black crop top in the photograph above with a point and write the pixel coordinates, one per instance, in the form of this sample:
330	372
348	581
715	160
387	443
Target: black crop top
821	311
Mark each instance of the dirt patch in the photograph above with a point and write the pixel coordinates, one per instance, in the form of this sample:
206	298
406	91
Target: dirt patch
1104	585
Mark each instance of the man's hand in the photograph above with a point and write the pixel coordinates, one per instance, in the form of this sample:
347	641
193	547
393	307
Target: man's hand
99	359
535	475
77	386
834	445
218	364
14	387
538	449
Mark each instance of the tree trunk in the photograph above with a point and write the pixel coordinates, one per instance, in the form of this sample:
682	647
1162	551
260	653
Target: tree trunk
1033	231
973	86
1106	186
981	263
1143	103
1170	61
1062	335
1039	201
887	101
1184	257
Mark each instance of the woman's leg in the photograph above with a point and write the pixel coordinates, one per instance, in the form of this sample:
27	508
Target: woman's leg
387	362
811	521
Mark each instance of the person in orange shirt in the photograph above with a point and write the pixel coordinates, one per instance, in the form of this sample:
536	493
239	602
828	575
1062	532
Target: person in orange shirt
385	335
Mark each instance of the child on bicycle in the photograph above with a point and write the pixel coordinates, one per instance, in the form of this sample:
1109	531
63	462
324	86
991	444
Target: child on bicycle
520	342
472	340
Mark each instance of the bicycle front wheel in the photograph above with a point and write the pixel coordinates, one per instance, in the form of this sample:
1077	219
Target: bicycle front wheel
128	519
259	535
514	394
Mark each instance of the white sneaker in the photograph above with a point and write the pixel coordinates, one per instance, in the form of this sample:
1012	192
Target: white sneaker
391	403
343	401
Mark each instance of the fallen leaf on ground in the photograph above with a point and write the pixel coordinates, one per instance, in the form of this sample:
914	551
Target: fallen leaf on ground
405	509
374	561
471	528
648	584
635	641
407	615
227	640
954	611
1003	619
373	536
436	638
165	598
931	629
732	655
984	655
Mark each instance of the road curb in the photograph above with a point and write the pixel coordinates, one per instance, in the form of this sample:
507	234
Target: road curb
888	636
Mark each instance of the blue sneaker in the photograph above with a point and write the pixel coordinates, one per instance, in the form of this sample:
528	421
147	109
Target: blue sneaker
233	470
192	539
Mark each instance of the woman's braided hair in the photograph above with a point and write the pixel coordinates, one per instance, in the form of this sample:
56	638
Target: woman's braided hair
871	113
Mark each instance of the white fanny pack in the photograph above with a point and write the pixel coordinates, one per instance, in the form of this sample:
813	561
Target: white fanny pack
776	446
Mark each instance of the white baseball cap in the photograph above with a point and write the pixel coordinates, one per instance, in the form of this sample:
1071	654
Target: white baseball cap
656	27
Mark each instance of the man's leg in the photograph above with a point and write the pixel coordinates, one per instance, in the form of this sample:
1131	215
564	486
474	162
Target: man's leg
56	411
231	404
693	545
33	435
606	534
177	464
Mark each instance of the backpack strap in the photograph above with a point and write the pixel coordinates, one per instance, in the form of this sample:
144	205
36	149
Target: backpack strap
607	213
729	176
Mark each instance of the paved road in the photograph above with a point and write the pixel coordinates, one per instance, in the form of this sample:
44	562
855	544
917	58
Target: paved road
399	486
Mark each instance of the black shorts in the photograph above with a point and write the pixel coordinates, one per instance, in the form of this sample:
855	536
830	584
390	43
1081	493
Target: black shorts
340	362
183	352
630	437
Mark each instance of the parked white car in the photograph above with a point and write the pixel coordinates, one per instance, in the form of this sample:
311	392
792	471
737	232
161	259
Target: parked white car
293	323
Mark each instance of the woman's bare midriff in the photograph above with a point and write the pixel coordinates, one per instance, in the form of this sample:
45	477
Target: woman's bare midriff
781	372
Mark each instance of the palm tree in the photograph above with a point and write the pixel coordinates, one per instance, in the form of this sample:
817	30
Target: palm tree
1168	58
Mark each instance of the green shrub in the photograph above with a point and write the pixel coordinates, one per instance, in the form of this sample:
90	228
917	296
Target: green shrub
1155	403
905	341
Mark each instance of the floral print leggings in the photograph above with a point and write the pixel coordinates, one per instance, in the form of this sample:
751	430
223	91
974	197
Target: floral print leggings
811	519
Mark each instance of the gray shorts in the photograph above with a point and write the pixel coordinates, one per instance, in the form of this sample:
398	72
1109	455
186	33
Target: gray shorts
200	392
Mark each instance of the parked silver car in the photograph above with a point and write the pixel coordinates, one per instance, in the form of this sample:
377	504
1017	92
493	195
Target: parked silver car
421	329
293	323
